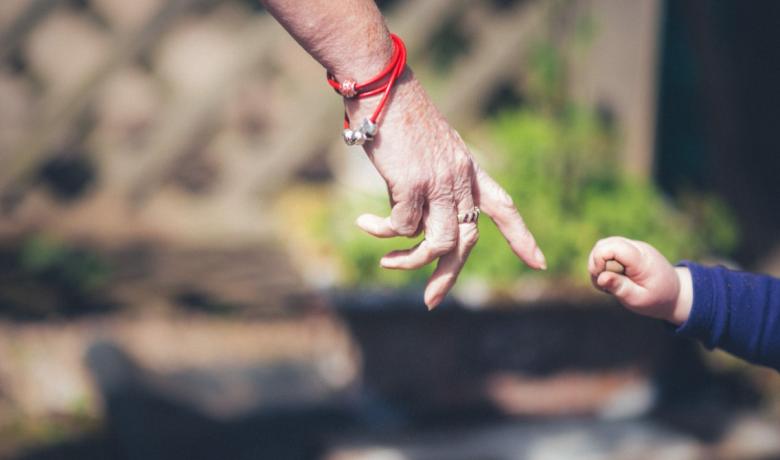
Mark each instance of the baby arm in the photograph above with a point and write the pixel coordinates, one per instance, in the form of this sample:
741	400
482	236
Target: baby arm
736	311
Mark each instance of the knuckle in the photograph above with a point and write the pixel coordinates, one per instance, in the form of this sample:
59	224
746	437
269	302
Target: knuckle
417	178
402	193
408	188
463	163
506	201
637	301
406	230
443	246
470	237
600	244
441	194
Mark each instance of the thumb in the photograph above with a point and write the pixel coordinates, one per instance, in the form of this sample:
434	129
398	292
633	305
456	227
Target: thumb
620	286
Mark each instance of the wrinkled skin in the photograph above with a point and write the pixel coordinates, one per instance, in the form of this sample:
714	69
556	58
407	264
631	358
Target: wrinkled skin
432	177
430	174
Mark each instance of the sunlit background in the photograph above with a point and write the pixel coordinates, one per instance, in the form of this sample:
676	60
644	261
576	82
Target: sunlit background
181	276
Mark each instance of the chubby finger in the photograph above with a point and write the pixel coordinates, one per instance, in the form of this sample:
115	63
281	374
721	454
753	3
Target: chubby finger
441	236
620	286
614	248
497	204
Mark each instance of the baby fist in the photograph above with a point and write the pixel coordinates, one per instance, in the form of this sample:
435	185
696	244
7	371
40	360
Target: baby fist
649	284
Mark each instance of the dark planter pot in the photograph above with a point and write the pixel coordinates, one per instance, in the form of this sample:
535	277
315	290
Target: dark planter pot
425	363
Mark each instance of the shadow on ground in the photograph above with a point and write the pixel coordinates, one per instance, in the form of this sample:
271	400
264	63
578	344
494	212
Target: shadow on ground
422	379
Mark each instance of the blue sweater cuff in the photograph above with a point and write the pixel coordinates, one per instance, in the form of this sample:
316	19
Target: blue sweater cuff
700	321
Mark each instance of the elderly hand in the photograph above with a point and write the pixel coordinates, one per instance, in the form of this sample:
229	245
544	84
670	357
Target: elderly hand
430	173
432	178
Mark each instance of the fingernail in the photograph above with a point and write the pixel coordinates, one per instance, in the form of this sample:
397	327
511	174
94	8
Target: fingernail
386	263
540	259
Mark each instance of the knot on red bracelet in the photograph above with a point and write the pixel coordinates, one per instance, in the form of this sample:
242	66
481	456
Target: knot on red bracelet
347	88
381	83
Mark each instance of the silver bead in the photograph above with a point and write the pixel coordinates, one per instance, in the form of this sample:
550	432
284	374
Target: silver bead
368	129
359	138
349	136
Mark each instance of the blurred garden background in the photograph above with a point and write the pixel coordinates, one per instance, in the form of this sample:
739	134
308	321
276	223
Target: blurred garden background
181	276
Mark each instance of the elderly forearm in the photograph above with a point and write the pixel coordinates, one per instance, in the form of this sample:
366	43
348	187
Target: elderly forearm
348	37
430	174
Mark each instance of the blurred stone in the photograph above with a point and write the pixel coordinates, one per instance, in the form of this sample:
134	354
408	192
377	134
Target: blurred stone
194	55
751	437
473	292
127	107
196	173
533	440
250	111
609	394
368	453
42	371
16	111
68	175
126	16
65	48
10	10
631	400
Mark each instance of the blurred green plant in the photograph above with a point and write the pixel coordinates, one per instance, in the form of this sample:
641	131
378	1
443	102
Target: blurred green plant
77	268
562	173
558	160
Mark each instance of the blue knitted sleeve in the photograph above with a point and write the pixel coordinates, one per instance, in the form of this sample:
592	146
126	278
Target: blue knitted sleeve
736	311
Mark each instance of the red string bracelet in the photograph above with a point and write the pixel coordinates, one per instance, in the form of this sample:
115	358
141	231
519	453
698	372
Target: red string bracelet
381	83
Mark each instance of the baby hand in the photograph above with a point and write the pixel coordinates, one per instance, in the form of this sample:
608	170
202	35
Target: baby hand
649	285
